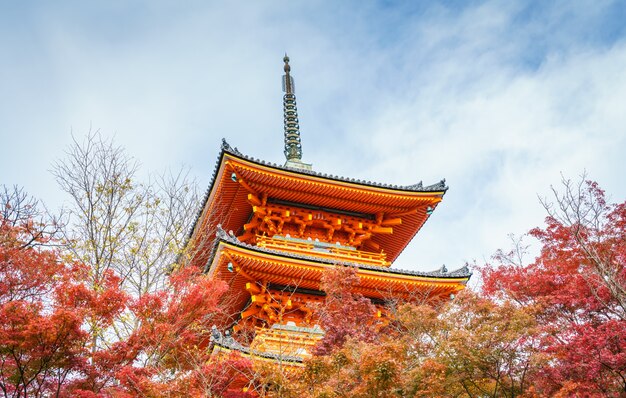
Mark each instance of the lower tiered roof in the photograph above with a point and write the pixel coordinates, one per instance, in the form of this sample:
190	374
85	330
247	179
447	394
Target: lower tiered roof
238	264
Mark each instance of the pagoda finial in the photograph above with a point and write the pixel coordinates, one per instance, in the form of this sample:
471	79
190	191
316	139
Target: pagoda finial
293	146
287	79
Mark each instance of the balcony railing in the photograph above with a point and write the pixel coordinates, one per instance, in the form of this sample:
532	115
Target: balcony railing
322	249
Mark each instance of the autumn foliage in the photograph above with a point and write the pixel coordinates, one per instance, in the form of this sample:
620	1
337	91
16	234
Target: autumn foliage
468	347
44	308
51	314
576	291
344	314
551	327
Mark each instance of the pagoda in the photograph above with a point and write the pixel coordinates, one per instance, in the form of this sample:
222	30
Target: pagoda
270	232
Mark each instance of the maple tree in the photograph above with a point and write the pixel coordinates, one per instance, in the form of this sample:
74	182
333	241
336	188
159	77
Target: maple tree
344	314
117	225
43	307
576	291
172	343
468	347
49	312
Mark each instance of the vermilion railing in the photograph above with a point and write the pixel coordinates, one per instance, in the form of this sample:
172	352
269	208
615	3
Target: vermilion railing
285	342
322	249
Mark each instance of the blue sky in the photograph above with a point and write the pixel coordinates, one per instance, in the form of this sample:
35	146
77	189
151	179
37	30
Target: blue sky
499	98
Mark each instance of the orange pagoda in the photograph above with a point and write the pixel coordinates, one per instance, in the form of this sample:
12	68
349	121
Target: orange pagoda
270	232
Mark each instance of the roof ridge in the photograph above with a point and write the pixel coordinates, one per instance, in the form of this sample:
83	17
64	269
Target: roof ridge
439	186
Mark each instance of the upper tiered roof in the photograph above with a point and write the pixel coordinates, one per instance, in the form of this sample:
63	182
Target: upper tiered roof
236	175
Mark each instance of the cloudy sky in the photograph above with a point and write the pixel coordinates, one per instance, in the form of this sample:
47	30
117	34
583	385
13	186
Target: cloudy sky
499	98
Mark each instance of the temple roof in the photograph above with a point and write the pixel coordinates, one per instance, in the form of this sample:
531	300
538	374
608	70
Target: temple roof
238	263
225	201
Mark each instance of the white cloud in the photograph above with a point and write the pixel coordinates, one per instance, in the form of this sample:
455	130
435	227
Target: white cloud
502	142
497	98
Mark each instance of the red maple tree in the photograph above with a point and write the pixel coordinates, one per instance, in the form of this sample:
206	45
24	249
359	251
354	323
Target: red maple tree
576	289
344	314
44	347
50	312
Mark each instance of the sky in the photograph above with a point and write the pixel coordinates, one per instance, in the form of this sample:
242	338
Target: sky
500	98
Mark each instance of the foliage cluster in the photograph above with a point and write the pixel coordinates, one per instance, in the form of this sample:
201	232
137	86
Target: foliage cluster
49	314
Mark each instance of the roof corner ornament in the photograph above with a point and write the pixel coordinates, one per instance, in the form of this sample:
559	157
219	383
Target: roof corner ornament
227	148
440	186
465	269
220	233
293	145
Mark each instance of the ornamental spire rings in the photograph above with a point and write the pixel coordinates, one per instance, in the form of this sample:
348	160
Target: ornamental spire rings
293	146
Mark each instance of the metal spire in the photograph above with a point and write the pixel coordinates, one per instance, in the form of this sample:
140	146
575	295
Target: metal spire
293	146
